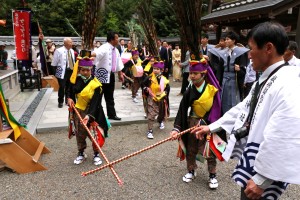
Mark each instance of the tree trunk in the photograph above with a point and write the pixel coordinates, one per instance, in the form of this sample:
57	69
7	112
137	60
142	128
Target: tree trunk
210	5
91	23
147	23
188	13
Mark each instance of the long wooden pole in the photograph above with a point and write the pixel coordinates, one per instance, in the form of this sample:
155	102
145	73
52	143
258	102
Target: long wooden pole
99	148
135	153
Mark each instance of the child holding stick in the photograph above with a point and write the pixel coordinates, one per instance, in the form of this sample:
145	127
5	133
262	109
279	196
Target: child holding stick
203	99
85	94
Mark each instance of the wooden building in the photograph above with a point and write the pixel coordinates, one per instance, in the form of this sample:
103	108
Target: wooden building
245	14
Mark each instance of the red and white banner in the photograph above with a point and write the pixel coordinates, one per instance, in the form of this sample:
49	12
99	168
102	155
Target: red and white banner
21	19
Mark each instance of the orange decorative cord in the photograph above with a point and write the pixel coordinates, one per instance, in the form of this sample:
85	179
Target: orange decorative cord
99	148
136	153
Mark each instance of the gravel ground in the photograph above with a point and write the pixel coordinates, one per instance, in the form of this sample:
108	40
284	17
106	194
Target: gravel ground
154	174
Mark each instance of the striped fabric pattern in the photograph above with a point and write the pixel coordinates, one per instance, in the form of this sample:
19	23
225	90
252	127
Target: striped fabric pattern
245	170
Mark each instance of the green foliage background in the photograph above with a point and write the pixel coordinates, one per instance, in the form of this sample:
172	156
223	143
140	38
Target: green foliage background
52	15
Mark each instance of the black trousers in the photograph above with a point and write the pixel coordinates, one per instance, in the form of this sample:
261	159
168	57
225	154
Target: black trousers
51	69
64	85
108	92
185	82
166	73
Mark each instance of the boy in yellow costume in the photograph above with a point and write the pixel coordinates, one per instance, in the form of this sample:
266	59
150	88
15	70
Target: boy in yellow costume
85	94
157	88
203	99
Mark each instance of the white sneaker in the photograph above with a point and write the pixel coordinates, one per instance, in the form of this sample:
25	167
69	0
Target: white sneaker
97	160
135	100
189	177
213	183
161	126
150	134
80	158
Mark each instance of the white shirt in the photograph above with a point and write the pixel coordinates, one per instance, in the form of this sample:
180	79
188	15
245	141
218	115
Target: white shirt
250	74
294	61
275	126
104	62
60	60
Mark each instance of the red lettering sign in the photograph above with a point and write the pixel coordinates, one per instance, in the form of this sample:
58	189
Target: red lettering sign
21	21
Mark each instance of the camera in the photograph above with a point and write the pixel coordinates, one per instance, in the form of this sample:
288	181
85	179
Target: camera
241	132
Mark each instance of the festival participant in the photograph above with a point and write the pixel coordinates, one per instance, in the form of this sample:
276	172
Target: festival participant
163	55
205	47
128	71
85	93
63	61
127	51
46	53
265	126
289	54
176	57
121	46
214	57
49	56
108	62
221	45
157	89
230	70
203	97
148	70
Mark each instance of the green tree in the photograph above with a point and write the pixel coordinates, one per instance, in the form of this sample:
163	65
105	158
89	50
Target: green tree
111	23
136	32
91	22
189	15
6	14
147	22
117	13
52	15
164	17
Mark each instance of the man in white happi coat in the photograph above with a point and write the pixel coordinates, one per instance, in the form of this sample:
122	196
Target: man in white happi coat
63	61
267	154
108	62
